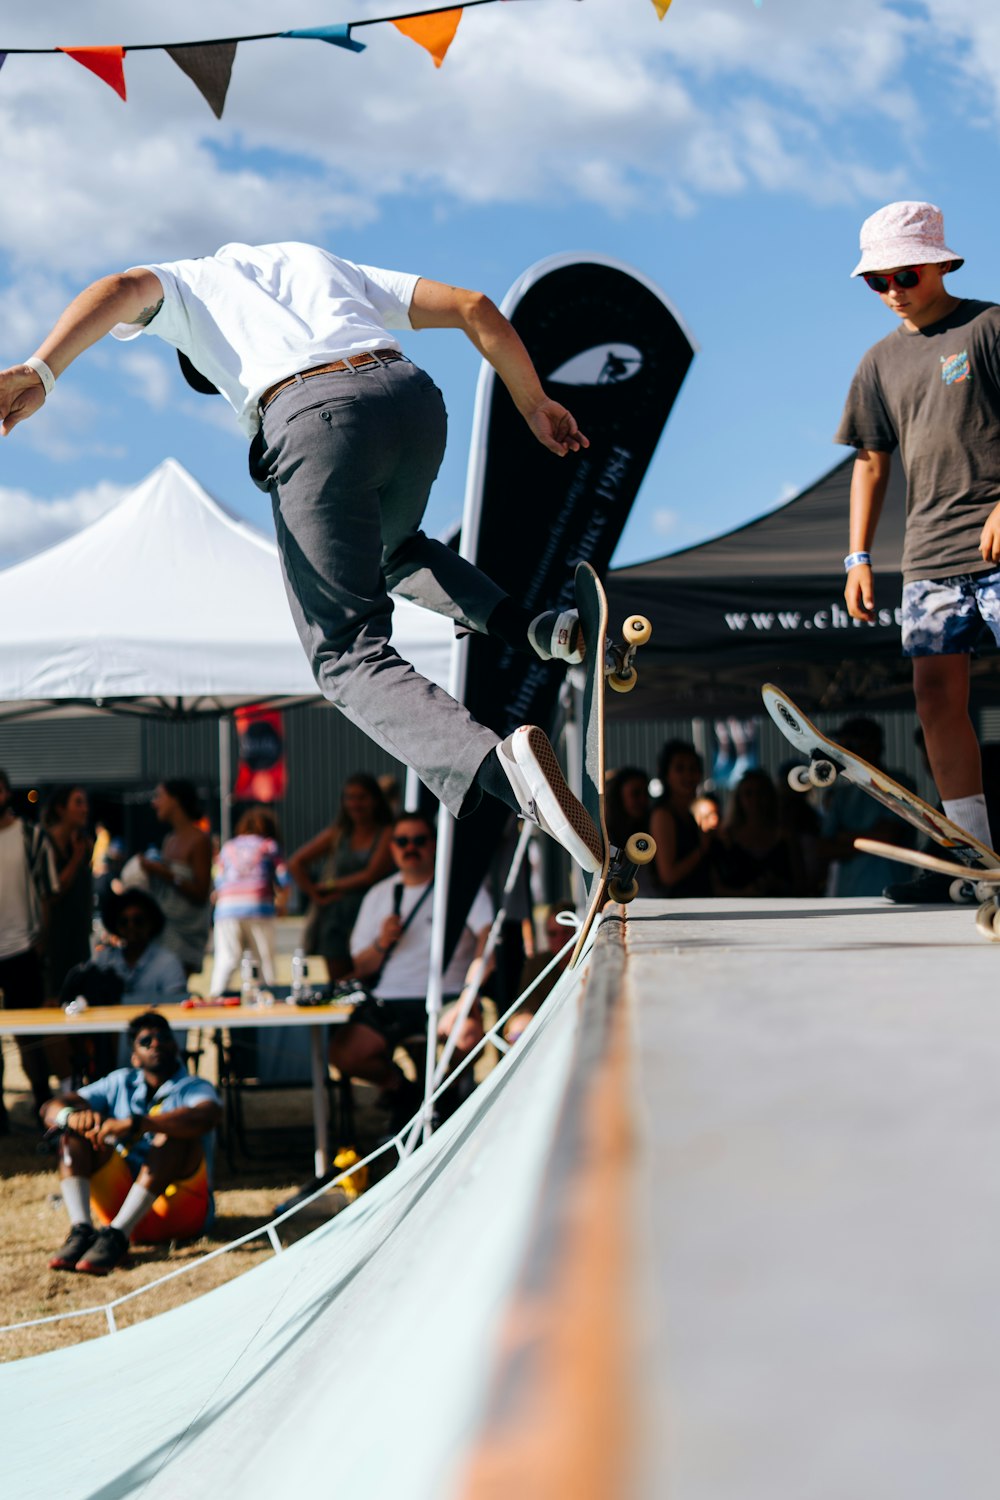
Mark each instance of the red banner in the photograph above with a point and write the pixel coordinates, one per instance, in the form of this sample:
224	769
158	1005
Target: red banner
261	776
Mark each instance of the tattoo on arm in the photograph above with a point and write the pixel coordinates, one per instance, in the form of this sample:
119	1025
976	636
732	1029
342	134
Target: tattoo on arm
148	314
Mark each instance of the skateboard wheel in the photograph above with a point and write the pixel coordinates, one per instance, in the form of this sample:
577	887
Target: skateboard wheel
821	773
798	779
640	849
986	921
623	893
959	890
986	892
637	630
623	682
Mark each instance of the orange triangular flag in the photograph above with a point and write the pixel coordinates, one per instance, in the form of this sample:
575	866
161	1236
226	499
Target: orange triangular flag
106	62
436	32
662	6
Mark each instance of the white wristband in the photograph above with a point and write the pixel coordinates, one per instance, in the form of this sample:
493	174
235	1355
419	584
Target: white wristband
43	372
62	1118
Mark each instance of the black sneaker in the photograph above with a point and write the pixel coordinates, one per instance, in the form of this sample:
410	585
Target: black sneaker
109	1250
81	1237
932	889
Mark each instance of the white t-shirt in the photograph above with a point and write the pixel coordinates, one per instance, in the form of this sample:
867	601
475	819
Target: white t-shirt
406	969
251	315
15	914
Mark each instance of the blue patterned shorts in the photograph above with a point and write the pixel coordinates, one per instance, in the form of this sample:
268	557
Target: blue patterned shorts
947	616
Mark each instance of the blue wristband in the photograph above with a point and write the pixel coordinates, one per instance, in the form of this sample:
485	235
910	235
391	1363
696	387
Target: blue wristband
855	559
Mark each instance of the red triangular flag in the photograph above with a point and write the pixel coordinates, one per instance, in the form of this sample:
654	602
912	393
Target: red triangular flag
106	62
436	32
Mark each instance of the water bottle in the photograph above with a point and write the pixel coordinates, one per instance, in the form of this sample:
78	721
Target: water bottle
300	973
248	978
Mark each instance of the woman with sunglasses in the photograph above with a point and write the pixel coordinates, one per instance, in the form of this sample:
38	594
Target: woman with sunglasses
932	390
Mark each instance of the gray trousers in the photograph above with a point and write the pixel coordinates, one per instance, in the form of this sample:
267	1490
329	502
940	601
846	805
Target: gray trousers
348	460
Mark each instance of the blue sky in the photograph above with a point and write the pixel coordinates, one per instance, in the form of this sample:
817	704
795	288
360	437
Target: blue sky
729	153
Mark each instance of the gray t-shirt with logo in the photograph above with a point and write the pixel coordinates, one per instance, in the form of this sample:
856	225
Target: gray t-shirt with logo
935	394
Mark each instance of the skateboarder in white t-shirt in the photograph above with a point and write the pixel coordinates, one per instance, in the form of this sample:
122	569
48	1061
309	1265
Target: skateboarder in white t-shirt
347	435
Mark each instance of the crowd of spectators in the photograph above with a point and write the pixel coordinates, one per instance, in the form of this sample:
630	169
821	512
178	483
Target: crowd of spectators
82	921
757	837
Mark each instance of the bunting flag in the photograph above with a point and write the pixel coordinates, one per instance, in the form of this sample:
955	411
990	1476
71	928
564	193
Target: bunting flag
209	64
106	62
209	69
662	6
339	36
436	32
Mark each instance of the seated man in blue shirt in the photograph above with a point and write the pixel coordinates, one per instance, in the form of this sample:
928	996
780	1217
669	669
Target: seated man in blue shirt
136	1146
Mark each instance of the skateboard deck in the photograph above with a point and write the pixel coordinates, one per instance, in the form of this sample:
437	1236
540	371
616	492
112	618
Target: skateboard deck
827	760
604	662
988	915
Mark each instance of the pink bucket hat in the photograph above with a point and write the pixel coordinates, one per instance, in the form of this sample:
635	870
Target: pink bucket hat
904	234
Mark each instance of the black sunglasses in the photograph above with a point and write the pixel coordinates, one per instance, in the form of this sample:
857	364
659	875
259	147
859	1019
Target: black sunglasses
905	280
404	840
149	1037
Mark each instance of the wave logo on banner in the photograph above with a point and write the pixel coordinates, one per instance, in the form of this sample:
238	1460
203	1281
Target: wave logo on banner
262	776
605	364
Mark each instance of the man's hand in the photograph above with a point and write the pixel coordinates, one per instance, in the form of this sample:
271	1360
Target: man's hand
391	931
114	1131
989	540
85	1122
556	429
859	593
21	394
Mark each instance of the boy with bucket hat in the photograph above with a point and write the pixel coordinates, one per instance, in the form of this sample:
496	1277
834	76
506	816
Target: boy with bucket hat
932	390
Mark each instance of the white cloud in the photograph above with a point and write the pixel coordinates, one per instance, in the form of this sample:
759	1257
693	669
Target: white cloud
665	522
29	524
536	103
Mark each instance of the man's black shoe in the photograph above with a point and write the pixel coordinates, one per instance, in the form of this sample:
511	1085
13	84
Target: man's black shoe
109	1250
929	889
80	1239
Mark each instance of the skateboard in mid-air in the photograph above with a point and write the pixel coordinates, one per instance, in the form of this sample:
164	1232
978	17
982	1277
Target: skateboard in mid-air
827	760
614	664
985	881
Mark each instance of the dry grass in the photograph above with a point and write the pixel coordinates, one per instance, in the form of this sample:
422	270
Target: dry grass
35	1224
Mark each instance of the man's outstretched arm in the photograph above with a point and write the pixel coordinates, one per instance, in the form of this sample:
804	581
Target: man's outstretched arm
129	297
436	305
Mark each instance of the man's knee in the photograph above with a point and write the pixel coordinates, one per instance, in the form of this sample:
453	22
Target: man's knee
357	1046
940	687
169	1161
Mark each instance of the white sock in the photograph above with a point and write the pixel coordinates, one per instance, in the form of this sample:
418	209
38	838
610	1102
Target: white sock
76	1196
970	813
135	1207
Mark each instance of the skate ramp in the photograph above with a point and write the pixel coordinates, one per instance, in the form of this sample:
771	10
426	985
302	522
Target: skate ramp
357	1362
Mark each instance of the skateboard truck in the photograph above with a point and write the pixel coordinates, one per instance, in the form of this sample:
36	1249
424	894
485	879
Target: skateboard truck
624	865
820	772
618	659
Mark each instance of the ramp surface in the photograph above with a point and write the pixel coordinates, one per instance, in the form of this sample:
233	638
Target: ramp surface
356	1363
819	1093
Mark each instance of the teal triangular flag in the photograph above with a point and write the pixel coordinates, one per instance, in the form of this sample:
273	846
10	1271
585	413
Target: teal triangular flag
339	35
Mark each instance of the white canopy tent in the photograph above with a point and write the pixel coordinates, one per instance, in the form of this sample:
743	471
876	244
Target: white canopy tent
166	605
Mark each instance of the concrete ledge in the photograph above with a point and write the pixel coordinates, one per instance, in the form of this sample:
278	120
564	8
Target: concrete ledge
819	1102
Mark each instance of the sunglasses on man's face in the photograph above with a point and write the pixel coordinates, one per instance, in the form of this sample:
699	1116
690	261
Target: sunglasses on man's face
905	280
418	840
149	1037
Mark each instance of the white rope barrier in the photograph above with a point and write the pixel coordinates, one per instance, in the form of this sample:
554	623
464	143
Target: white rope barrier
403	1143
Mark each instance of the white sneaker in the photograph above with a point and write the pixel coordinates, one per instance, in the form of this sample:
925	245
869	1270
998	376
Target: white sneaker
533	771
556	635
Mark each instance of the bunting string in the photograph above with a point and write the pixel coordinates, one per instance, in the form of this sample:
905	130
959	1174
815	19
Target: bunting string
209	64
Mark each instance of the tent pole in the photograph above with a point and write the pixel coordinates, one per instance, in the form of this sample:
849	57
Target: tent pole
225	794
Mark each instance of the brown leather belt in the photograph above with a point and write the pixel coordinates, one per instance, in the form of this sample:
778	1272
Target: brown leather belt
352	362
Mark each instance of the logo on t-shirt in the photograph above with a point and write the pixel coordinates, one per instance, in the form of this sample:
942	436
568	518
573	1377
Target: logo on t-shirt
955	368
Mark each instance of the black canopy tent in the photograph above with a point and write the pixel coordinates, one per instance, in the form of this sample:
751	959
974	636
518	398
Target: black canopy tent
766	603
